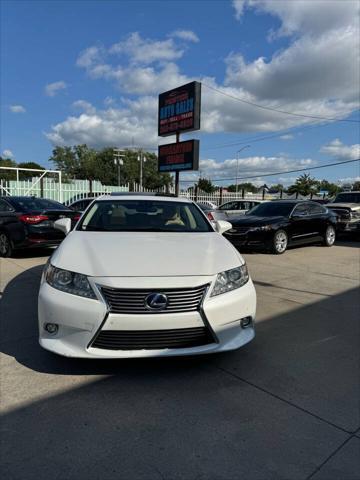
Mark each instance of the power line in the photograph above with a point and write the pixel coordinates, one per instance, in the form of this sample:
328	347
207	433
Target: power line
318	117
277	173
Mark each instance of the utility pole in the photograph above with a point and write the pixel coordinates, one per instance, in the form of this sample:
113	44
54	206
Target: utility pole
141	159
237	167
118	160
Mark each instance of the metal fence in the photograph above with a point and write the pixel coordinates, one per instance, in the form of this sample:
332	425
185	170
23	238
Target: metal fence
77	189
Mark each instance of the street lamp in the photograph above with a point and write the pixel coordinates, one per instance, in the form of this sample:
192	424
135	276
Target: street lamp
237	166
118	160
141	158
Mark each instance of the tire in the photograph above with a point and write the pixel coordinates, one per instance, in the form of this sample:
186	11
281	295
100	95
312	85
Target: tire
330	236
6	248
279	242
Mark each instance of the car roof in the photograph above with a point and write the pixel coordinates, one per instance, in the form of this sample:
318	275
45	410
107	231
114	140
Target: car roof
143	196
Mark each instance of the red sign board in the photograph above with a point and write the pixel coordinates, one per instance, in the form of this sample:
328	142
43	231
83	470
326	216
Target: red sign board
179	156
179	109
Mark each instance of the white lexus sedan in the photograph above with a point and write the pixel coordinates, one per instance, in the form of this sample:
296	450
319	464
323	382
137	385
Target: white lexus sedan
145	276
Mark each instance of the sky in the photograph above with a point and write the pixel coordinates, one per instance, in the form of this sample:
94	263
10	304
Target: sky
90	72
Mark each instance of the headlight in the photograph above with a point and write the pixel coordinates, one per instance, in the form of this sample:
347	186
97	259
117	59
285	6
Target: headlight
264	228
355	214
69	282
230	279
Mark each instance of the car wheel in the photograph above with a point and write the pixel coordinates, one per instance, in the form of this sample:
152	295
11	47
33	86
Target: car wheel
5	245
280	242
330	235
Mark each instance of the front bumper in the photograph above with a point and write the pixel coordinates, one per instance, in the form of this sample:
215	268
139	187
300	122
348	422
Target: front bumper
80	319
253	239
348	227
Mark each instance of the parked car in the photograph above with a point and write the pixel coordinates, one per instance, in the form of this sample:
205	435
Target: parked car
145	276
29	222
12	232
230	210
277	224
207	205
207	209
82	204
347	206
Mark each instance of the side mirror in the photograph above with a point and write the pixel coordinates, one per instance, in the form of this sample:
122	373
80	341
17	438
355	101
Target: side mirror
221	226
64	225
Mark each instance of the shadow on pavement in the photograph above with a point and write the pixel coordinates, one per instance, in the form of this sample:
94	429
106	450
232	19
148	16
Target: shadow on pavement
277	408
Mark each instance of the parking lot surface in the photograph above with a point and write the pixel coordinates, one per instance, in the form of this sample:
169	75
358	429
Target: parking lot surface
286	406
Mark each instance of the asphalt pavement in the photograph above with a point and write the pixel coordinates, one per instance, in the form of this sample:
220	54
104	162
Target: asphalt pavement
286	406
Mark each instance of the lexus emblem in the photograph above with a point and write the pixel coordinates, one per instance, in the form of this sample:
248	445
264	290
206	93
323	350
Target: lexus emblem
156	301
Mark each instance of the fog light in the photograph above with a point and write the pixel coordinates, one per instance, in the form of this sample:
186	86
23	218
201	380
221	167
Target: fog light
246	322
51	328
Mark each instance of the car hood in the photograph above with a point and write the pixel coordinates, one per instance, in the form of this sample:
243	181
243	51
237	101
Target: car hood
143	254
353	206
250	220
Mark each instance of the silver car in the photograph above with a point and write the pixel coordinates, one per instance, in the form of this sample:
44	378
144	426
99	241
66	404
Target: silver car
233	209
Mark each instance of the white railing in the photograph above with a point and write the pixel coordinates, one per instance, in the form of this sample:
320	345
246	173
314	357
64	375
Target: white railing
77	189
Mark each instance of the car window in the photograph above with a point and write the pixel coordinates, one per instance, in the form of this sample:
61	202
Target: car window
144	216
271	209
31	204
229	206
316	209
301	209
5	207
349	197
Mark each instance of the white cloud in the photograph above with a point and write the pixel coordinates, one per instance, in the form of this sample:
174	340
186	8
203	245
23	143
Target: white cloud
52	89
84	105
248	166
239	6
306	16
89	56
17	109
340	151
348	180
8	154
100	128
287	136
146	51
186	35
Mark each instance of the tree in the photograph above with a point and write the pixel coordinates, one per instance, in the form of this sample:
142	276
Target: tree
332	188
304	185
83	162
356	186
205	185
7	174
247	187
25	175
278	187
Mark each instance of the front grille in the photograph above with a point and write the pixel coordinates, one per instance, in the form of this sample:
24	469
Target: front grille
152	339
133	301
240	230
343	213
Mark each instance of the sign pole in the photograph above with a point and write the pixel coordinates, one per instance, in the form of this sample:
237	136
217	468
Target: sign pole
177	173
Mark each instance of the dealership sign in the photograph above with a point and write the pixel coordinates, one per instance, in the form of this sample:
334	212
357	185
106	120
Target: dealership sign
179	109
179	156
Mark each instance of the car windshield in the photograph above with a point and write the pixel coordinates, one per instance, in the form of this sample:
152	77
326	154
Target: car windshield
270	209
31	204
348	198
144	216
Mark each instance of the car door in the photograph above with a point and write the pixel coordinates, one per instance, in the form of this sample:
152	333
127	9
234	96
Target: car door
300	224
318	219
10	224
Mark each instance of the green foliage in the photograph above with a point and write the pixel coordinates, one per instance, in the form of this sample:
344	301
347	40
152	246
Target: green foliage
26	175
304	185
7	174
83	162
247	187
332	188
206	185
356	186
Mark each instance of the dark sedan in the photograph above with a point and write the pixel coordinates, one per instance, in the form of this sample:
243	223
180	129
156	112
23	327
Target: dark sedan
276	225
29	222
